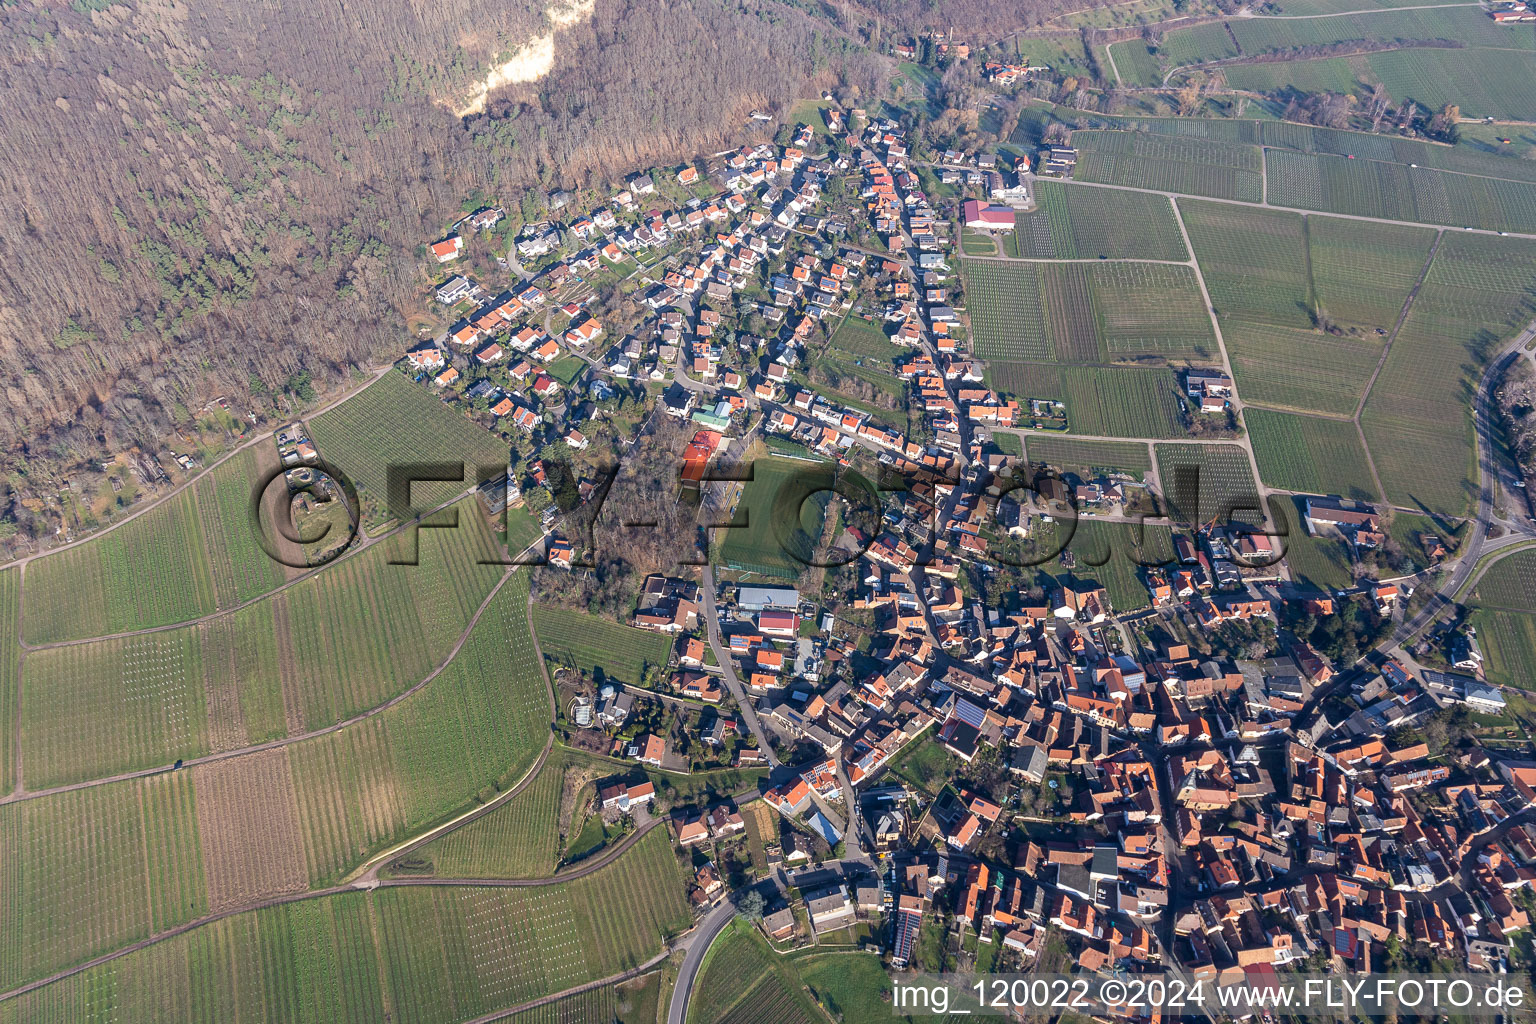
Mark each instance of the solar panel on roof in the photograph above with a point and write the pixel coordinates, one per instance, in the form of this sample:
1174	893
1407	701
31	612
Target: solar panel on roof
969	713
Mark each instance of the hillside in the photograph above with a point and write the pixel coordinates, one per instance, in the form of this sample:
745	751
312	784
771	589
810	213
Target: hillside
228	199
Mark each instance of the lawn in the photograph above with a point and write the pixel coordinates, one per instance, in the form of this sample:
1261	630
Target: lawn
151	571
780	516
853	987
589	643
1088	223
1206	483
1310	454
398	422
1168	164
1109	554
925	764
566	369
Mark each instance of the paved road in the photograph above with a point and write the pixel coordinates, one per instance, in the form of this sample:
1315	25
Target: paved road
698	944
727	667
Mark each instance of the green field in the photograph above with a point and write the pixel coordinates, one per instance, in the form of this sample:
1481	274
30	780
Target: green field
1083	223
1417	421
151	571
860	348
1108	401
588	642
1508	640
1112	555
519	839
1483	81
241	569
1169	164
1086	313
397	422
86	872
350	637
10	652
1072	453
1203	483
1310	454
1254	262
780	513
1362	273
854	987
744	982
1323	563
1370	188
433	954
1300	369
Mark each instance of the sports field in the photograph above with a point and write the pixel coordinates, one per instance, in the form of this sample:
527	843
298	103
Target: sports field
1168	164
780	516
1310	454
1083	223
588	642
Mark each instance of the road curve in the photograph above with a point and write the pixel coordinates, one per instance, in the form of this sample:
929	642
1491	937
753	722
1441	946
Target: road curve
703	937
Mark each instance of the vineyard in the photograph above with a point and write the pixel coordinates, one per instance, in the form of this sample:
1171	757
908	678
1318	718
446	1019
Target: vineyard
1084	223
588	642
1102	400
241	569
397	422
1007	312
1169	164
1112	555
1091	456
1369	188
1254	262
247	816
1508	639
1418	419
1310	454
10	607
1207	482
1304	370
151	571
519	839
1362	272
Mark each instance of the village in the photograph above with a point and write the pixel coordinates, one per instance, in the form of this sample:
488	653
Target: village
1206	781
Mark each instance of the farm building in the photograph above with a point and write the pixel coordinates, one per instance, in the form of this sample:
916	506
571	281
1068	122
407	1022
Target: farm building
987	218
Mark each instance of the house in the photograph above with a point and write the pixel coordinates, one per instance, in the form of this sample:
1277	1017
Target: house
623	796
448	249
986	218
829	909
780	924
648	749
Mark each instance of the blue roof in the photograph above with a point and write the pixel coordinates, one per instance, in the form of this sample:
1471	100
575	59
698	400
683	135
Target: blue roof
823	827
969	713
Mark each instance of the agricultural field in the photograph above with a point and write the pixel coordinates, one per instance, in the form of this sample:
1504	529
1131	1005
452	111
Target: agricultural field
1254	262
587	642
1509	583
1168	164
780	524
241	569
1370	188
247	815
1107	401
1086	313
1508	640
1305	370
95	709
852	986
738	955
475	727
512	945
88	871
1081	223
397	422
1324	563
1484	81
1202	483
10	653
1130	457
1363	273
1311	454
151	571
596	1004
519	839
1141	64
1418	418
772	1001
